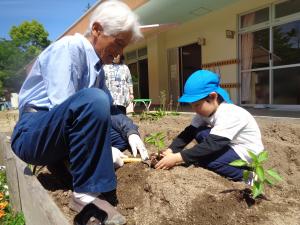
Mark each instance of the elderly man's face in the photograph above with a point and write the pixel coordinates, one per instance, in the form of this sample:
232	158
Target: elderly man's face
109	47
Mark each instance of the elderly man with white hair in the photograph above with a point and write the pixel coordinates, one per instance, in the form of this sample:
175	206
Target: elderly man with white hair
66	110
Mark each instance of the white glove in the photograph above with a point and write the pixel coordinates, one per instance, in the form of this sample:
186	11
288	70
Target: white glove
137	144
118	157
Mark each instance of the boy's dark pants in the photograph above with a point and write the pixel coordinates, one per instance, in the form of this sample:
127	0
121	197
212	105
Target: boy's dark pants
219	161
78	129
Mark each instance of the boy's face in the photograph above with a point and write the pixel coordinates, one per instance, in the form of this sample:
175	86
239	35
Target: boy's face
207	106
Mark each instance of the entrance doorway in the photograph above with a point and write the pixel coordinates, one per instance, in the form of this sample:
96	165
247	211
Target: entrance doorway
182	62
143	81
190	61
138	66
139	74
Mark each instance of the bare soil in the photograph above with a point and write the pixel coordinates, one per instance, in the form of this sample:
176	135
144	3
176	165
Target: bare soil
190	195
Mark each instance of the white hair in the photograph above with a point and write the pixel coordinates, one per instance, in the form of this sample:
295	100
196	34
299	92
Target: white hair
115	17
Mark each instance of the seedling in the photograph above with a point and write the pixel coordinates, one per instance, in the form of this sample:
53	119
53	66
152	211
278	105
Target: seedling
172	112
158	140
148	116
261	176
163	99
153	116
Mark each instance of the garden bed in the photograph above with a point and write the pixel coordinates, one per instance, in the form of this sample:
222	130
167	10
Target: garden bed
26	194
189	195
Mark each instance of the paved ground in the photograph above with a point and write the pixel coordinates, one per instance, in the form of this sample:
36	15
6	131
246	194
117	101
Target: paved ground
274	112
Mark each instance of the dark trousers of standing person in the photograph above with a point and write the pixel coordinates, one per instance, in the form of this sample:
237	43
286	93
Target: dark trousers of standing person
219	161
78	129
122	109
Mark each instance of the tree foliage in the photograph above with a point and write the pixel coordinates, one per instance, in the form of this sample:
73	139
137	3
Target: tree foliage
27	41
30	34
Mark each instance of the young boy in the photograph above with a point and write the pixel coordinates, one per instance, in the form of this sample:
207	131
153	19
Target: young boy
224	132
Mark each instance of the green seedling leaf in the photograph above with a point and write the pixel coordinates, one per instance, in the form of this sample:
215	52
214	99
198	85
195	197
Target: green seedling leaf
255	192
263	156
274	174
269	181
257	189
246	174
156	139
260	173
150	140
238	163
253	156
253	165
160	145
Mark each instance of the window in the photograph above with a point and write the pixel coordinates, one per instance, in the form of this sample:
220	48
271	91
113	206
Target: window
142	52
131	55
256	17
286	43
138	65
255	49
258	93
286	86
287	8
270	55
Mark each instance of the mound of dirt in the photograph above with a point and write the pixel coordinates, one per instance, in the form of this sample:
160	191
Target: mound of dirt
191	195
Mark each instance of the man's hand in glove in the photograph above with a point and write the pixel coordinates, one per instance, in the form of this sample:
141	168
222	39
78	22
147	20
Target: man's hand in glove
118	157
137	144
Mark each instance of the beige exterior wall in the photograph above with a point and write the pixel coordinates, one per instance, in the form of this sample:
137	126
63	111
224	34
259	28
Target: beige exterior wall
79	27
212	27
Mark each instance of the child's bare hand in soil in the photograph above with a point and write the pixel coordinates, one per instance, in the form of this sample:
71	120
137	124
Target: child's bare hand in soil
166	152
168	161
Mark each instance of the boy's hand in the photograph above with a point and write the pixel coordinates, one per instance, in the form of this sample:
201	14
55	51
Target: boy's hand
166	152
168	161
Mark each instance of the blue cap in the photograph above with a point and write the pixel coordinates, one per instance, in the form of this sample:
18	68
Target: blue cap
200	84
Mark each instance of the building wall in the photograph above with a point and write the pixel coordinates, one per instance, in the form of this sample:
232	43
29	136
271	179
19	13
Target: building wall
212	27
81	25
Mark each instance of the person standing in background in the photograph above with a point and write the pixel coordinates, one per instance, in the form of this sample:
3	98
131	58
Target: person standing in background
119	82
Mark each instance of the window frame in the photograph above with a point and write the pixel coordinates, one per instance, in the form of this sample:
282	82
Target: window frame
256	27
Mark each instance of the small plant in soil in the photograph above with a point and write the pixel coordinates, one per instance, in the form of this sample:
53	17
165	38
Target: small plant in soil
153	116
163	99
172	112
158	140
256	172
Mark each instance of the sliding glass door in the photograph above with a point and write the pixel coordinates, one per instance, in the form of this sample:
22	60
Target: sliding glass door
138	66
269	44
286	67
